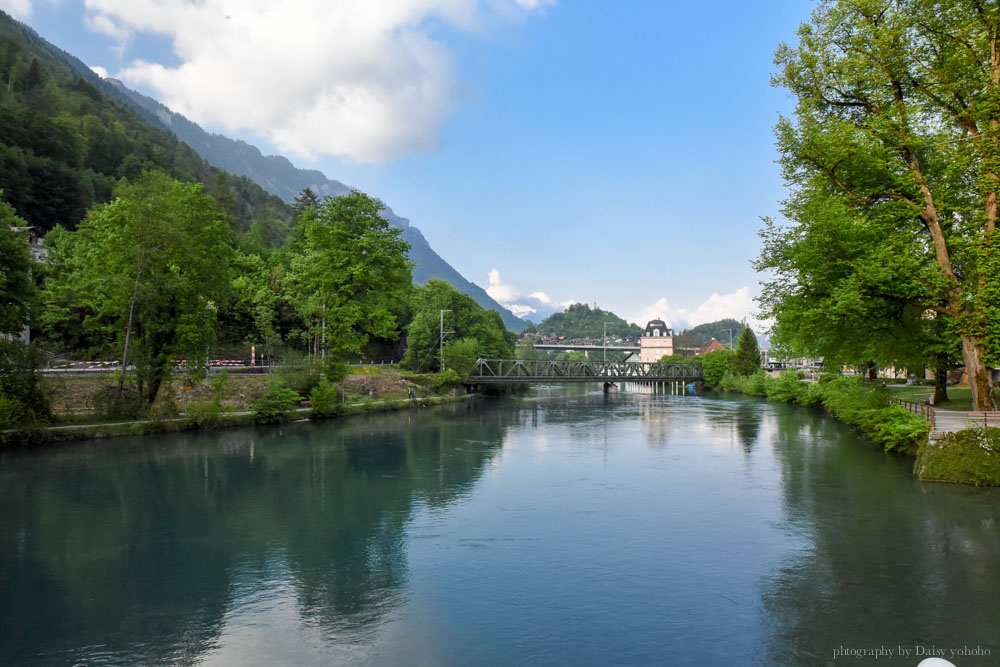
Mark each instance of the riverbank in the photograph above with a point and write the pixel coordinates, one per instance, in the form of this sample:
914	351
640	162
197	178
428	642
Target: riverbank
971	456
227	400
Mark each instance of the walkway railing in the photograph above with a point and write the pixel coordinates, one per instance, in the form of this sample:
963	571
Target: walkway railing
529	370
921	409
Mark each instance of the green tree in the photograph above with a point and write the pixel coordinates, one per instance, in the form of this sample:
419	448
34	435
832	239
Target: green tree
466	319
716	364
150	269
582	321
747	359
349	274
898	126
16	286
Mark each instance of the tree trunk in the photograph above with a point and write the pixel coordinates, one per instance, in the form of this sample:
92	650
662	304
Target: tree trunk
940	382
980	376
872	371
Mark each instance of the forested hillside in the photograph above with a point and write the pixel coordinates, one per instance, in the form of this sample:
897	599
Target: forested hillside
582	321
65	145
725	331
280	177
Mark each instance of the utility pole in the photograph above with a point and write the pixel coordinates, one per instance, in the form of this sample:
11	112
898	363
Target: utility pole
730	338
605	341
443	334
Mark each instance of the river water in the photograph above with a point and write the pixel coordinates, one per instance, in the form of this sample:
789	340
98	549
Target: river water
562	527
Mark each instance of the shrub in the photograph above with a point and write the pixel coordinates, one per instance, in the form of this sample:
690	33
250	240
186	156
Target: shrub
785	388
25	403
447	379
971	456
715	364
325	399
114	404
276	404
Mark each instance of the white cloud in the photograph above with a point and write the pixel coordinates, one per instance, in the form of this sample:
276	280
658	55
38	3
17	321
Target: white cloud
358	79
19	9
737	305
500	291
510	297
99	71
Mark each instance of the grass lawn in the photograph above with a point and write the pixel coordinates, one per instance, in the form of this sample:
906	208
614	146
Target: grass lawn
959	397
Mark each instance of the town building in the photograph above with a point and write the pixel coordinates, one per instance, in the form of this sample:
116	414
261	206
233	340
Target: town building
657	340
710	346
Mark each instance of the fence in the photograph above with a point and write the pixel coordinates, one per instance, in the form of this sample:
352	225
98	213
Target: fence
920	409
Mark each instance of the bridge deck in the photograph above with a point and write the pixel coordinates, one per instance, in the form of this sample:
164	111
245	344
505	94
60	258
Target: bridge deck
492	371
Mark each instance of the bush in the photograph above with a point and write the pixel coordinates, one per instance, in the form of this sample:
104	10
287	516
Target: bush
971	456
325	399
715	365
208	414
114	404
276	404
786	388
754	385
24	402
447	379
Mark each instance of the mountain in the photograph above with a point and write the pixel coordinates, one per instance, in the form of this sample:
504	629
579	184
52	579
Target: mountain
65	143
280	177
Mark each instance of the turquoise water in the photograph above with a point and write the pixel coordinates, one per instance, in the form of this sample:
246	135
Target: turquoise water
563	527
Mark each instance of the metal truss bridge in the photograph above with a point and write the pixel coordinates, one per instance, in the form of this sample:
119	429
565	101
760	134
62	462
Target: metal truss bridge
495	371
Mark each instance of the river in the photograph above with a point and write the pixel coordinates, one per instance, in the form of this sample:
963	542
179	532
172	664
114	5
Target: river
562	527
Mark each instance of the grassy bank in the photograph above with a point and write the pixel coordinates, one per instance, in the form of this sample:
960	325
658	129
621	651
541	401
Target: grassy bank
851	400
971	456
967	457
223	400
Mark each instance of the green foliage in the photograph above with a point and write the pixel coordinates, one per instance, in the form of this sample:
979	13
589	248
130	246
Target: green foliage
446	379
116	401
754	385
276	404
582	321
786	388
893	188
466	319
461	355
747	360
325	399
716	364
65	142
150	269
16	286
23	400
971	456
349	275
208	414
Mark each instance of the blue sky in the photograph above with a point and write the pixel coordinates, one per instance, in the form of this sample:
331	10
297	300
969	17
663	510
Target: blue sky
611	153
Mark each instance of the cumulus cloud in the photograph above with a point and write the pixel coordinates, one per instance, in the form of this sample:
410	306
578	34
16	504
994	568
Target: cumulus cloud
357	79
536	305
738	305
99	71
19	9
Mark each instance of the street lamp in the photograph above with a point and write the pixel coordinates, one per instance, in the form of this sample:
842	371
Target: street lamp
606	341
730	338
443	334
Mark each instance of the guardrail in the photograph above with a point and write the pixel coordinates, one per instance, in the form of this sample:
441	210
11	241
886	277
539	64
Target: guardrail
921	409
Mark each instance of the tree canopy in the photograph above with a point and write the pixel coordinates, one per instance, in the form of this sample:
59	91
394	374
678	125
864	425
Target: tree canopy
16	286
466	321
149	270
349	275
582	321
893	159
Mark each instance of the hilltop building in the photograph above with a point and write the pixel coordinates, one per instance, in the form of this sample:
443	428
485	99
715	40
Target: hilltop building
656	341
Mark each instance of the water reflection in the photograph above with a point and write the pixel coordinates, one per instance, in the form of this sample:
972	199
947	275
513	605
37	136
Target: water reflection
889	561
134	552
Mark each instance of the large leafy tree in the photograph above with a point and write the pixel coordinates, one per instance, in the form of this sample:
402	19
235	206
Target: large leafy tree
151	268
349	274
16	286
466	322
893	157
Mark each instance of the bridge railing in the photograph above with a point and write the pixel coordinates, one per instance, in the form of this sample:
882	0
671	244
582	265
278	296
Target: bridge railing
513	370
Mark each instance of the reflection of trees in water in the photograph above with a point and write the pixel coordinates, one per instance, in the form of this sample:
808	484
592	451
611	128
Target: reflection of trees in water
748	418
122	546
887	560
741	416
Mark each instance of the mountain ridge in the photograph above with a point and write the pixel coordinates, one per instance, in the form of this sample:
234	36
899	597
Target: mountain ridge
277	175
